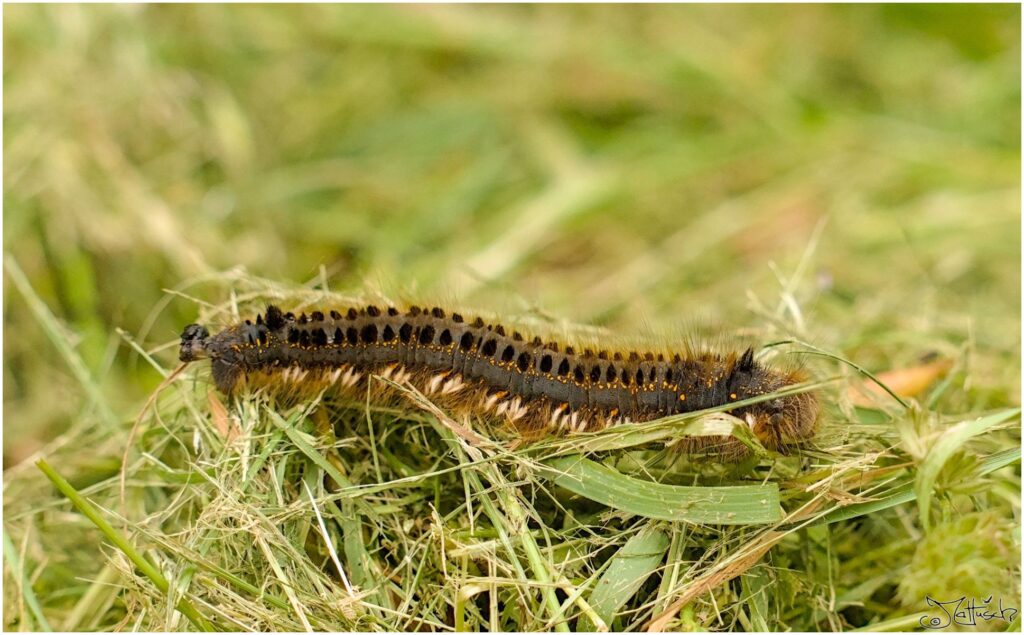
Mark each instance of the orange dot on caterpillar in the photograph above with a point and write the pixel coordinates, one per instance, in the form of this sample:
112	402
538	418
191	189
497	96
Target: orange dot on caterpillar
486	369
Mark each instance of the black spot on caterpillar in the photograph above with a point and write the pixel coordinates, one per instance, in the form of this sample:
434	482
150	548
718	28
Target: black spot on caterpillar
538	387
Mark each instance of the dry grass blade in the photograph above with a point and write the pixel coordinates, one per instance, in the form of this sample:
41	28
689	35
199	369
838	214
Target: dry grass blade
735	566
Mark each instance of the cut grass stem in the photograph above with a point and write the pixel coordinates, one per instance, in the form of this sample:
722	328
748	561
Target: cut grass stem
89	511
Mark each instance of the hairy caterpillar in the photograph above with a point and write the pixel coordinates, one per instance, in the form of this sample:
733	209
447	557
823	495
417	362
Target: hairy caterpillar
475	367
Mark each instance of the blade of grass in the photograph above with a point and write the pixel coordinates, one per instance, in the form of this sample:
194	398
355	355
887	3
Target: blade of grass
755	596
327	541
299	439
630	566
11	555
286	584
224	574
898	624
944	448
546	574
515	524
736	505
56	335
905	493
94	602
674	564
814	350
669	428
151	572
469	448
355	551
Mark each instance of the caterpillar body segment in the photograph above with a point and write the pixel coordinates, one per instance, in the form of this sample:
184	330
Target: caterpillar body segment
484	368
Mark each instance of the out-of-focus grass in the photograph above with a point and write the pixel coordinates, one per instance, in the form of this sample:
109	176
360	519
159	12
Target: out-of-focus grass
848	175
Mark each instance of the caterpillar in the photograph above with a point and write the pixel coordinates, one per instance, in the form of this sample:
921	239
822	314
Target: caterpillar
539	387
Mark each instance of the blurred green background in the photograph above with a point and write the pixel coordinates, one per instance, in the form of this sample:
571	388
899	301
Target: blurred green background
617	165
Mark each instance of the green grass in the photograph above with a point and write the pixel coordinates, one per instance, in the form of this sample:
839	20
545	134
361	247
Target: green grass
844	178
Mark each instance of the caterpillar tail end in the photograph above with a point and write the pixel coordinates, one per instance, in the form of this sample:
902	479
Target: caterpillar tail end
193	343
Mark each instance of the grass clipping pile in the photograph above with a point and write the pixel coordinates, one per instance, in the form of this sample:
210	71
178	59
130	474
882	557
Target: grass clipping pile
334	515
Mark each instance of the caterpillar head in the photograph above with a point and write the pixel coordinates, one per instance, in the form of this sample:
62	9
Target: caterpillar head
196	343
193	343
